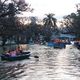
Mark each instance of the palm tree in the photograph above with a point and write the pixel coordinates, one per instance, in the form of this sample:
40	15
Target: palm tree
50	26
49	21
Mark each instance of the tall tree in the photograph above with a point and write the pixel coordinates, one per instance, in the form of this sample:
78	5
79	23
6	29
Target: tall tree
49	21
72	22
19	6
8	11
49	26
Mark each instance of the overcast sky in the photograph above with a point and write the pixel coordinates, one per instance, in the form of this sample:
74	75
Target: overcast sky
58	7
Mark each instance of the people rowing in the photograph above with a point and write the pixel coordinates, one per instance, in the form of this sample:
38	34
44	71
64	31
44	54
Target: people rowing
18	50
14	52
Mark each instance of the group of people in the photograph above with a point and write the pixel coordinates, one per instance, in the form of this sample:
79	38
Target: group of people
13	52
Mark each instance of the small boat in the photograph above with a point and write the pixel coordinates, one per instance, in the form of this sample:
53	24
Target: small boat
21	56
57	45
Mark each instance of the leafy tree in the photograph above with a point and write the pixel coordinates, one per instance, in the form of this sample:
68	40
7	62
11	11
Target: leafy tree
8	12
34	29
72	23
69	22
15	6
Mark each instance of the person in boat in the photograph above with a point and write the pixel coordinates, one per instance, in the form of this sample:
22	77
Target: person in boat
18	50
7	53
13	53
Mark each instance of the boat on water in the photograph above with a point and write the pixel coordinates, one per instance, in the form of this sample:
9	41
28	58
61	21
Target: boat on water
56	45
21	56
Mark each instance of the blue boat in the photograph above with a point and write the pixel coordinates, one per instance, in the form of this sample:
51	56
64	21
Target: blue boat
56	45
59	45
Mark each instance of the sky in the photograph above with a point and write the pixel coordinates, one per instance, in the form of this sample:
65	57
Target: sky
58	7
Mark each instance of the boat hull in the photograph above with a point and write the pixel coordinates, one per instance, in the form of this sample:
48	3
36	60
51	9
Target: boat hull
57	45
18	57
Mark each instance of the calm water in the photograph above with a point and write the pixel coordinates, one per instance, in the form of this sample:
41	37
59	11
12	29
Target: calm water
53	64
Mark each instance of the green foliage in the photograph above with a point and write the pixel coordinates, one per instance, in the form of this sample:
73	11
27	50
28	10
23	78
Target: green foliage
72	23
49	26
8	12
49	21
14	7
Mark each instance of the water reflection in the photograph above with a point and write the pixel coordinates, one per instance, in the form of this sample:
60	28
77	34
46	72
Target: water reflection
52	64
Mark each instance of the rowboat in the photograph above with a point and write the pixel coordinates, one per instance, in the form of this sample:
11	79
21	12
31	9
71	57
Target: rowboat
21	56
